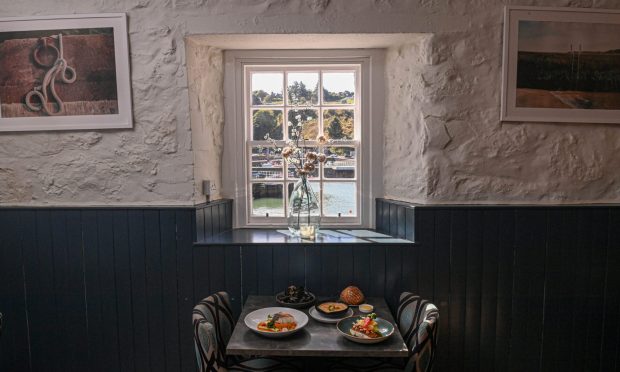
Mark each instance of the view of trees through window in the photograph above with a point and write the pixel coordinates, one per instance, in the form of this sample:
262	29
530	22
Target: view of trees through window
324	99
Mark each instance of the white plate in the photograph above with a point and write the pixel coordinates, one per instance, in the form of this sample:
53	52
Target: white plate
252	319
316	315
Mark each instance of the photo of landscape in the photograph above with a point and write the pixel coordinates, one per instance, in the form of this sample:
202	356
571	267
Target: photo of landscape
568	65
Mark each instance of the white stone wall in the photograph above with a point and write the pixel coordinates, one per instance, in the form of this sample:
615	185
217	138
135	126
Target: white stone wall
444	119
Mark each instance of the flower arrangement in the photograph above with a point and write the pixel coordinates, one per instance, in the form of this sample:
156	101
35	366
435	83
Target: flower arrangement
296	153
304	206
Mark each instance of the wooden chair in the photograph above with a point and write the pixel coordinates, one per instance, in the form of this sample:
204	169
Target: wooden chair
417	321
213	326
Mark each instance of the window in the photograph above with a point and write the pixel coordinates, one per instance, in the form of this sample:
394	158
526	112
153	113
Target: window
271	96
325	100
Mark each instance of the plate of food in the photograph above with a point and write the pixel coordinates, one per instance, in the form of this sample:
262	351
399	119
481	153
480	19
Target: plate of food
332	309
276	321
296	297
316	315
365	329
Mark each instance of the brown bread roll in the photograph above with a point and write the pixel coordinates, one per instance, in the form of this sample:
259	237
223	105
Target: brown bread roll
352	295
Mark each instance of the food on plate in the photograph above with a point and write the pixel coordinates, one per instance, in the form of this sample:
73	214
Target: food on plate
295	295
352	296
278	322
366	327
332	307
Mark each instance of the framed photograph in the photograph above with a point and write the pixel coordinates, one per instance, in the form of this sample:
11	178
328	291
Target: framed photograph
561	65
64	72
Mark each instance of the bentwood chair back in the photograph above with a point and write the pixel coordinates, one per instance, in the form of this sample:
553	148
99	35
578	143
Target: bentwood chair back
213	325
418	321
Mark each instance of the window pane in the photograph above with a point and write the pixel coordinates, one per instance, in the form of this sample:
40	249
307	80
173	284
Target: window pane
267	198
267	88
338	124
266	122
303	88
309	124
339	197
339	88
340	162
266	163
292	169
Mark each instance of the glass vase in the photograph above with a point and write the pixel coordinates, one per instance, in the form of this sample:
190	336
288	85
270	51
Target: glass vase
304	211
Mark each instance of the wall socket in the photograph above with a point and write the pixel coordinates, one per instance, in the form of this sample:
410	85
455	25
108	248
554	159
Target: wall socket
208	187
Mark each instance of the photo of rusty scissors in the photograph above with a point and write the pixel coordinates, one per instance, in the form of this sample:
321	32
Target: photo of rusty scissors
58	68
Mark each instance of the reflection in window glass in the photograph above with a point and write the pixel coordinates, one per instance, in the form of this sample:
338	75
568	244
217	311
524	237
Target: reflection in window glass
266	163
267	122
267	88
267	200
309	123
340	162
303	88
339	197
338	124
339	88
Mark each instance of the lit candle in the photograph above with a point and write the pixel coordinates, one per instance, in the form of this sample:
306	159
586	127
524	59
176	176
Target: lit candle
307	232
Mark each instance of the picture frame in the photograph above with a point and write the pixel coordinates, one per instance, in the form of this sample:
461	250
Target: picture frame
65	72
561	65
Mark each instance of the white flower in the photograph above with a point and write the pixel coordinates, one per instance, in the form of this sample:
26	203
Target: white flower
290	124
309	118
298	117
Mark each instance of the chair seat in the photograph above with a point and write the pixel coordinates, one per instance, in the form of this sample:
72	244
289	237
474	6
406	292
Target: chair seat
267	364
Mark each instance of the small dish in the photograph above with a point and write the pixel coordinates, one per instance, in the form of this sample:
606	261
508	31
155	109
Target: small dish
366	308
385	328
314	314
255	317
332	309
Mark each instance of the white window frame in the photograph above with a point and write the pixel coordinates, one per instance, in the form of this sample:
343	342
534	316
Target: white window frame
235	171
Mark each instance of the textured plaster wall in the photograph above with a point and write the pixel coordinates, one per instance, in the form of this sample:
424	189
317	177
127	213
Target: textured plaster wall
206	72
443	120
447	95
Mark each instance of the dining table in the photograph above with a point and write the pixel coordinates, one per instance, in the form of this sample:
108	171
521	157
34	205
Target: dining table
316	339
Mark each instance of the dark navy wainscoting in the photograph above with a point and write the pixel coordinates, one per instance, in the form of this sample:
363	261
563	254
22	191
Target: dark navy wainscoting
518	288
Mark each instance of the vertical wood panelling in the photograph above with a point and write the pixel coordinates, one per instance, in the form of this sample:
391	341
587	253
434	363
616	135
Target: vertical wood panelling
329	271
345	266
44	315
233	277
518	288
170	325
140	311
92	292
505	281
264	268
154	291
488	288
13	352
441	282
185	287
528	289
75	313
458	288
473	289
122	265
611	310
296	264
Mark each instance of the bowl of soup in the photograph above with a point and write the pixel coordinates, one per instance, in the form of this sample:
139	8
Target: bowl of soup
332	308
